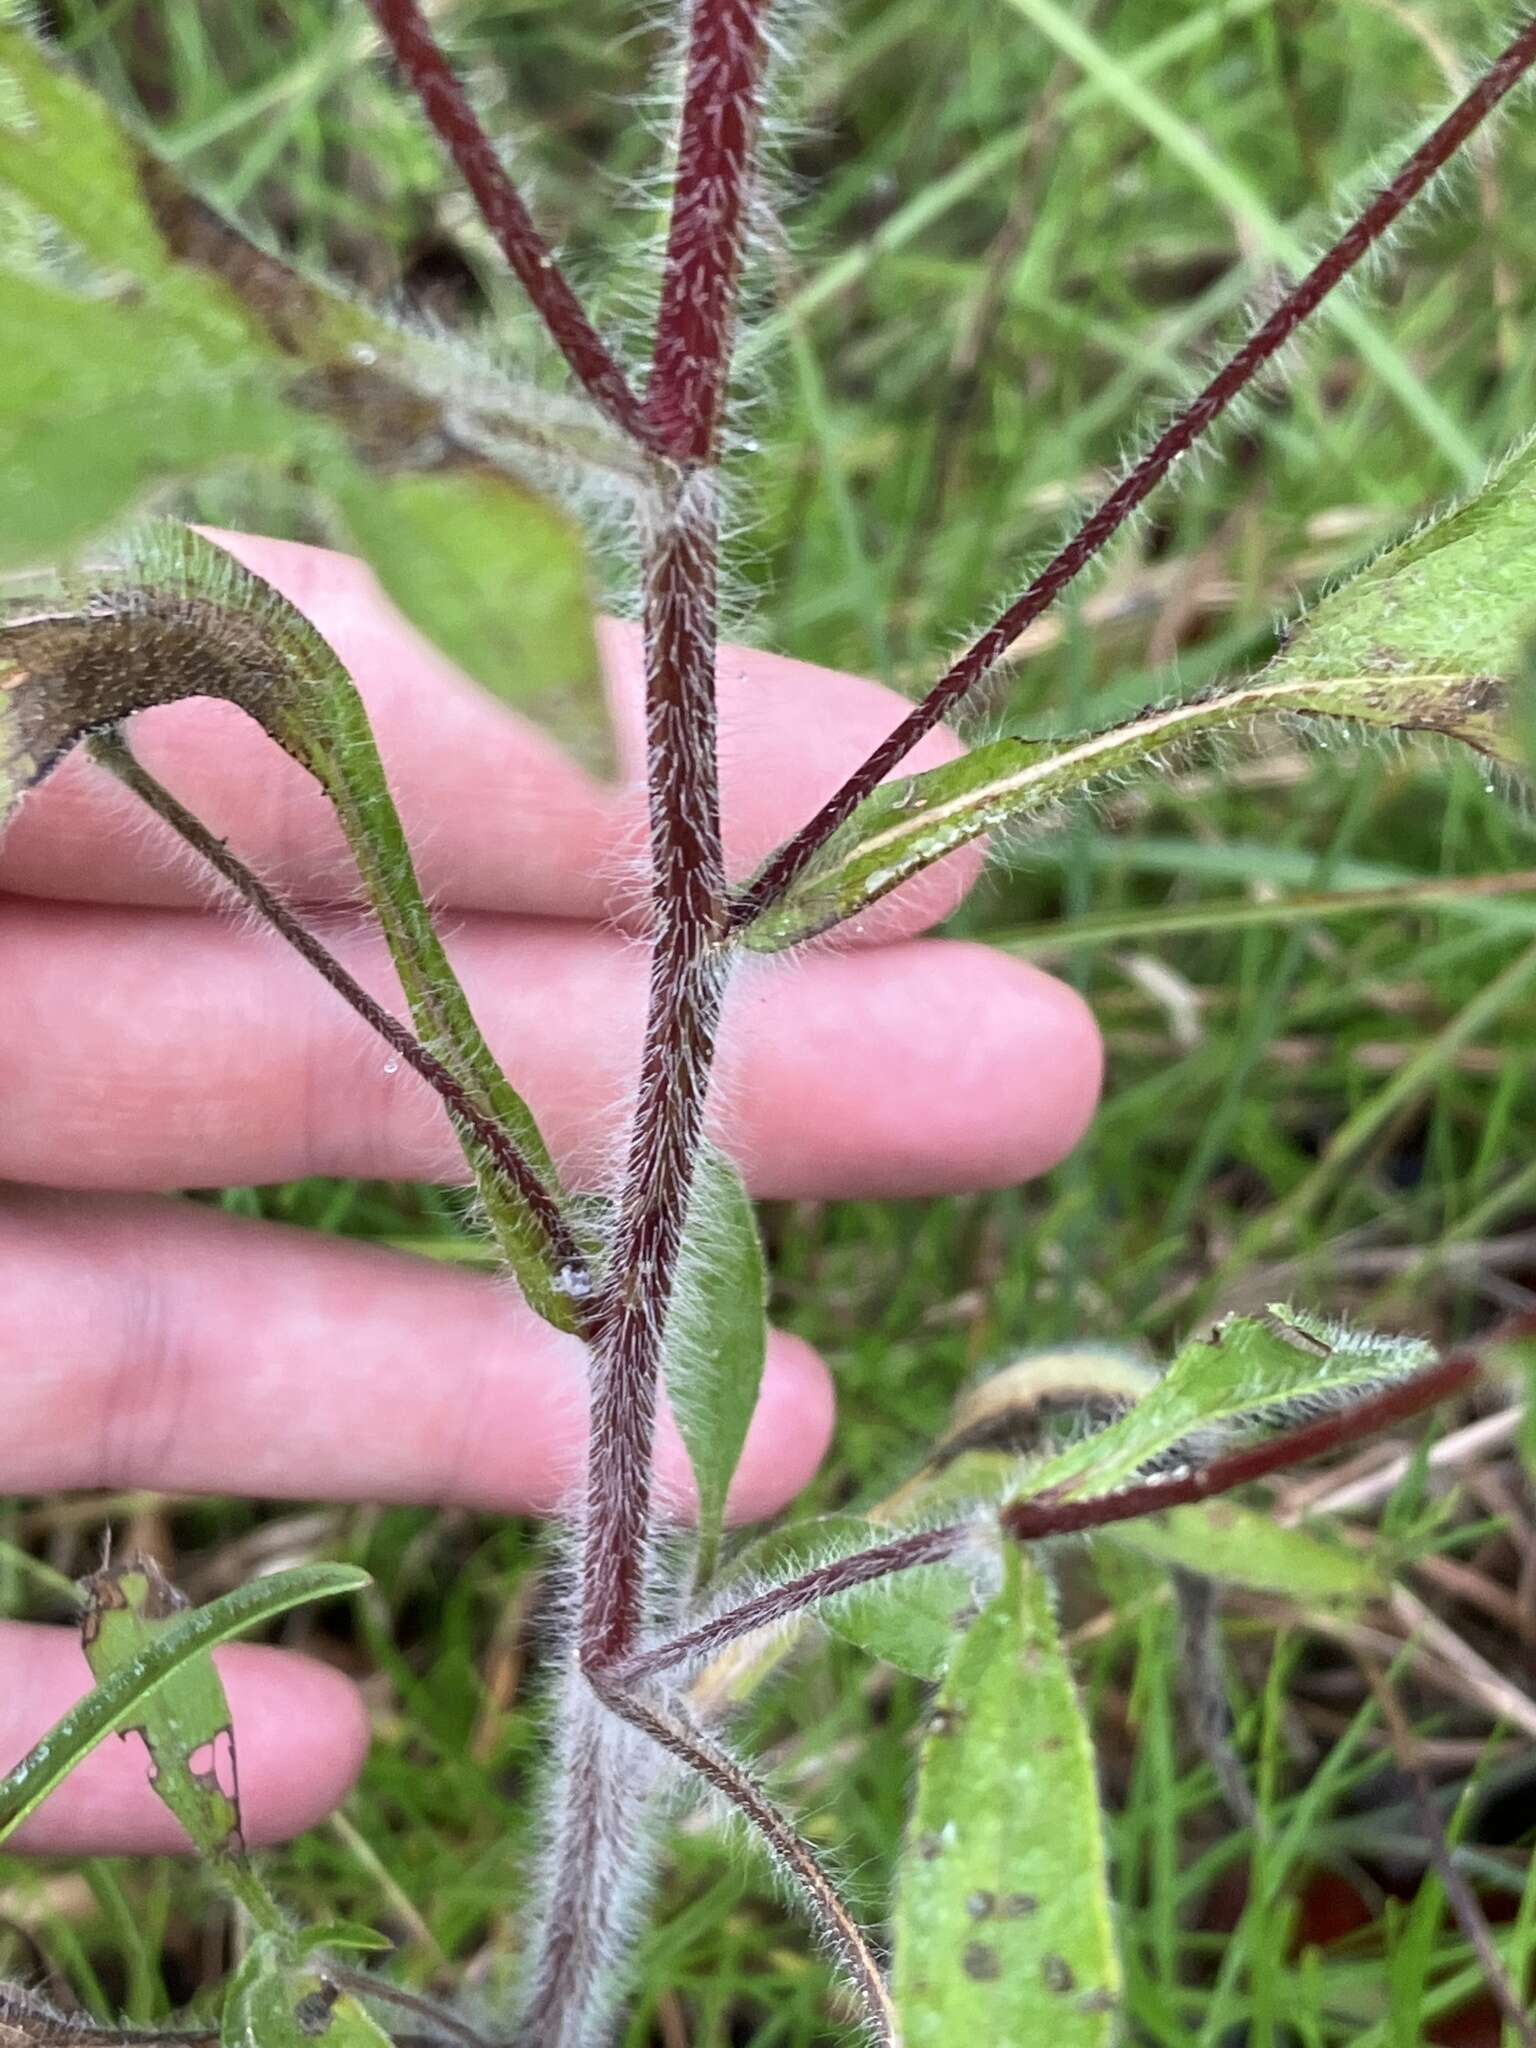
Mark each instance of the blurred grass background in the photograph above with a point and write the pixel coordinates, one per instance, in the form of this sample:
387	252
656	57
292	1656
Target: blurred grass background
1016	228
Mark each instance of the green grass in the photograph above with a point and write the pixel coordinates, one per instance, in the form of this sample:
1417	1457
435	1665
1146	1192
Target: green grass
1023	226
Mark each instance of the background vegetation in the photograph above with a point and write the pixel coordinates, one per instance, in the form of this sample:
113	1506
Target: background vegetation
1022	221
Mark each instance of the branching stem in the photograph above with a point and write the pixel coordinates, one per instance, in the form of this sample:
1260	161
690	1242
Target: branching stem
688	385
1191	425
446	105
112	751
1044	1516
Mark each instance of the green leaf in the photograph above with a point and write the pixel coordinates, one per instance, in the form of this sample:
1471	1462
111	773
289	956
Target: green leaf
180	618
275	2000
1248	1371
116	1700
73	161
1525	704
1427	639
912	1619
717	1339
346	1934
1003	1929
1443	613
435	489
1221	1539
496	577
185	1723
102	404
908	825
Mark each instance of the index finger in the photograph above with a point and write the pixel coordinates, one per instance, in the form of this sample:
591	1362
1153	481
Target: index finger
499	817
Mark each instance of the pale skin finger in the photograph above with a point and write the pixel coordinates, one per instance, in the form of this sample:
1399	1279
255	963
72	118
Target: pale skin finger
158	1343
302	1734
164	1049
163	1344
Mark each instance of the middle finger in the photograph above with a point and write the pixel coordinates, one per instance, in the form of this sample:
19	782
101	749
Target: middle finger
148	1049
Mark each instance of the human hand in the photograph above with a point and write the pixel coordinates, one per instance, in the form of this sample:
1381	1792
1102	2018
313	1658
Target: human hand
154	1042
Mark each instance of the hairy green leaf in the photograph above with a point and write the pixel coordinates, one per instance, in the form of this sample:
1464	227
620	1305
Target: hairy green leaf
1427	639
1249	1371
912	1620
275	2000
69	158
179	618
717	1339
1003	1927
908	825
1221	1539
116	1699
1447	610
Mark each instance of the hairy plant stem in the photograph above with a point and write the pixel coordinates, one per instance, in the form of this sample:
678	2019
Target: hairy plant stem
671	1728
1192	424
1046	1515
600	1813
112	751
686	987
603	1819
718	134
446	105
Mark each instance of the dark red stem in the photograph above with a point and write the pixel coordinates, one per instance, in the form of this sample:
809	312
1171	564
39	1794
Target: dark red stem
726	51
1031	1521
1266	341
901	1554
689	373
447	107
686	986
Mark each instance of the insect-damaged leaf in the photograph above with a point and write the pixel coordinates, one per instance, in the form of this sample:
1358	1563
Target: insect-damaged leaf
187	346
275	2000
717	1338
1248	1371
185	1723
1002	1927
116	1700
179	618
1427	639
